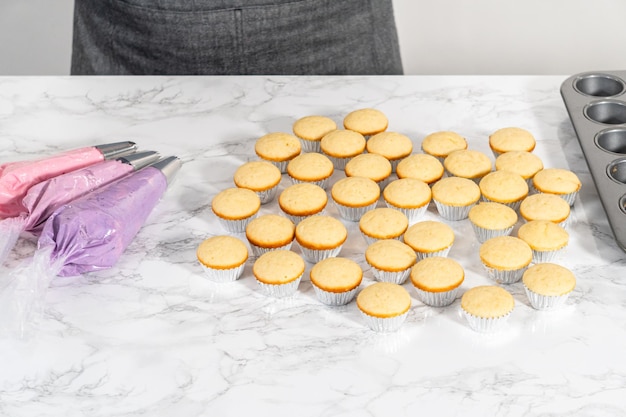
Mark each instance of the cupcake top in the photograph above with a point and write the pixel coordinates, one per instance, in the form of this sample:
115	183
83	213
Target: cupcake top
456	191
278	267
383	223
505	253
429	236
366	121
524	163
321	232
390	255
313	128
437	274
511	139
222	252
384	300
303	199
369	165
236	203
420	166
544	207
355	191
492	216
487	301
441	144
543	235
391	145
336	274
549	279
556	181
270	231
467	163
311	167
343	144
407	193
277	147
257	176
503	186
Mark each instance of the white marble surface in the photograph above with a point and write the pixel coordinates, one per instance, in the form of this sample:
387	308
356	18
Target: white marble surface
152	337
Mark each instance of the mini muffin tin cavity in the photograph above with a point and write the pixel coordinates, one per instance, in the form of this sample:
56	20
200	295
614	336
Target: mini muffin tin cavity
596	103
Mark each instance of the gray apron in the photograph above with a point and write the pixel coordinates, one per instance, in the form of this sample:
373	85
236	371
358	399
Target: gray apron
185	37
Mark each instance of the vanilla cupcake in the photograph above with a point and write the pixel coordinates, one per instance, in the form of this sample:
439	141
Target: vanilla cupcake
383	223
320	237
340	146
259	176
370	165
336	280
270	232
437	280
487	308
504	187
390	260
526	164
422	167
557	181
355	196
548	285
429	238
278	148
235	208
367	122
468	164
299	201
545	207
454	197
491	220
392	145
546	239
441	144
223	258
505	258
311	129
278	273
311	167
408	195
511	139
384	306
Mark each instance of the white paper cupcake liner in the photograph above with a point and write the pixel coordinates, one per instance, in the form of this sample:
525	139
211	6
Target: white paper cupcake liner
453	213
384	325
259	250
485	325
545	256
281	165
437	299
505	276
298	219
513	204
353	214
545	302
316	255
236	226
339	163
334	298
280	290
311	145
323	183
223	275
570	198
369	239
267	195
484	235
413	214
396	277
443	253
394	164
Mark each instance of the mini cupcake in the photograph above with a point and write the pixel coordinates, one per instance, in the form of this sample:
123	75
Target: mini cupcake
320	237
504	187
278	148
384	306
546	239
261	177
561	182
511	139
526	164
370	165
429	238
336	280
355	196
299	201
441	144
278	273
437	280
340	146
235	208
491	220
383	223
270	232
390	260
367	122
454	197
505	258
468	164
422	167
311	129
487	308
548	285
223	258
545	207
311	167
392	145
408	195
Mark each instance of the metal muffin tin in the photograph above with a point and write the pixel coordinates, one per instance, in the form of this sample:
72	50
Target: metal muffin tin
596	103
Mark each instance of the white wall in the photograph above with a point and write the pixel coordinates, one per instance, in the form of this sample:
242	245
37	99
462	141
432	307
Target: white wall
436	36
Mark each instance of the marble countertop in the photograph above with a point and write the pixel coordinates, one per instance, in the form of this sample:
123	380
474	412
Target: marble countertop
153	337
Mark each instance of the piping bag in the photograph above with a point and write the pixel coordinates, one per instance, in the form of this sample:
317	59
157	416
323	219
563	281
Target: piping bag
42	199
88	234
17	177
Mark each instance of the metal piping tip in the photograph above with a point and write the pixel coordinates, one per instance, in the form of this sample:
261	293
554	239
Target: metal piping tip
169	167
117	149
139	160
